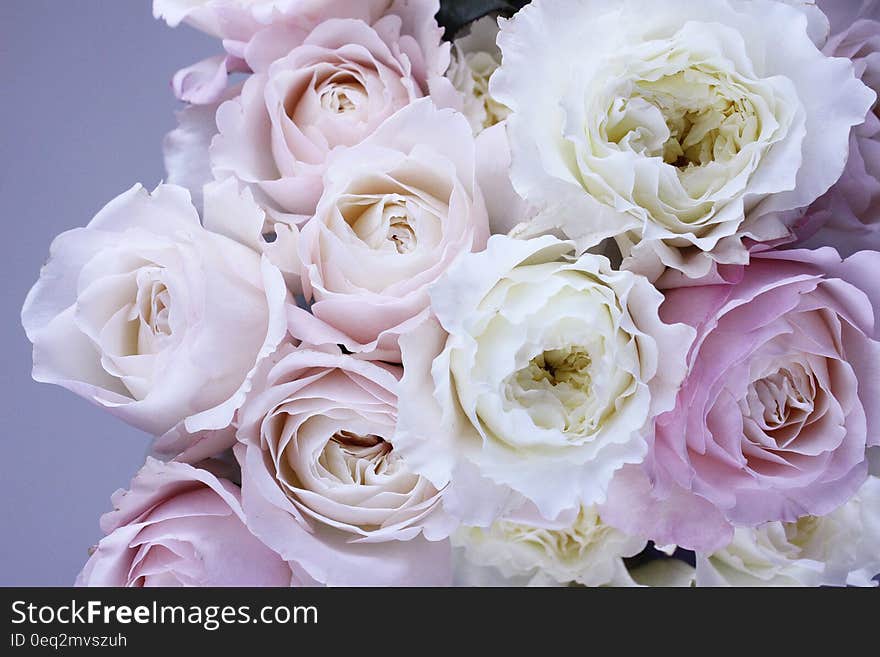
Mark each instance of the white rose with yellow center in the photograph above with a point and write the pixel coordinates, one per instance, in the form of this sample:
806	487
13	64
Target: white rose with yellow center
684	130
576	548
838	549
540	377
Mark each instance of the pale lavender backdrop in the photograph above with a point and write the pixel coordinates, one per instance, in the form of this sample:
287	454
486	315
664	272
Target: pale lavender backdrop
84	103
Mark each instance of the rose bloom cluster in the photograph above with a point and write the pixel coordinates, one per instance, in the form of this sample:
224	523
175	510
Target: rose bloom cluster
582	295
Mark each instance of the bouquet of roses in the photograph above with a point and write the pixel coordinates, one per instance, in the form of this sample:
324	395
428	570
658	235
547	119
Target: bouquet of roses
576	292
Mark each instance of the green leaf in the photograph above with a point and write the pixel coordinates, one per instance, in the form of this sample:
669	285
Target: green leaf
456	14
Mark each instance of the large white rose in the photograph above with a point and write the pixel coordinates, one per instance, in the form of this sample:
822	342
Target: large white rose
839	549
683	129
577	548
161	322
541	376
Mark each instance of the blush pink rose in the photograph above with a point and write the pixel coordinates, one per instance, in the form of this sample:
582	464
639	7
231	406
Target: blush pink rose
847	217
272	22
318	89
843	13
181	526
322	483
396	212
781	403
239	20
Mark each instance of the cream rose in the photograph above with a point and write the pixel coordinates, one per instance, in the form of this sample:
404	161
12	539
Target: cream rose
475	57
838	549
539	378
132	311
576	548
684	130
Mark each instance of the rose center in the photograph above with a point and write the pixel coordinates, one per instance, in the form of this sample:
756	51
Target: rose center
784	396
800	532
341	94
156	313
481	66
689	119
557	389
570	366
567	544
387	225
401	234
353	459
150	314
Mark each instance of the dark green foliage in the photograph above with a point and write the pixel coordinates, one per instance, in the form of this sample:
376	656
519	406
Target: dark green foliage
455	14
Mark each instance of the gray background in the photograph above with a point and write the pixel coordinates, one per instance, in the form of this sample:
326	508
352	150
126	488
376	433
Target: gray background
85	102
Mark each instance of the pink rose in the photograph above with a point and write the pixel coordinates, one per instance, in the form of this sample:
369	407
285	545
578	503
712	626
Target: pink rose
397	210
847	217
181	526
781	402
843	13
239	22
315	90
322	483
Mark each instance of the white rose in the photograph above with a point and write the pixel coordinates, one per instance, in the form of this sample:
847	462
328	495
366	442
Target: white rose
682	129
475	57
540	377
839	549
161	322
576	547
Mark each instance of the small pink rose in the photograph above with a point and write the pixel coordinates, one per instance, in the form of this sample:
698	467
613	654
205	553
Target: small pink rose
181	526
315	90
322	483
847	217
